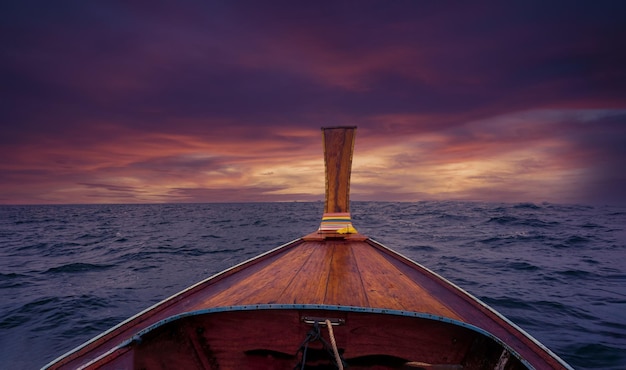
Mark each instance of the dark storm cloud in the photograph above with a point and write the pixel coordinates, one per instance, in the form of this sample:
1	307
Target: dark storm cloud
92	79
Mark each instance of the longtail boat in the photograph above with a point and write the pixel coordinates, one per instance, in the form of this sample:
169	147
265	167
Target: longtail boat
332	299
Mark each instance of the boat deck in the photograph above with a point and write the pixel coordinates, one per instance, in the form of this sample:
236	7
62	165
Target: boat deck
331	272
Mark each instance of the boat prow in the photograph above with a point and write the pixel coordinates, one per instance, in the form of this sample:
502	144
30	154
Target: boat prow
331	299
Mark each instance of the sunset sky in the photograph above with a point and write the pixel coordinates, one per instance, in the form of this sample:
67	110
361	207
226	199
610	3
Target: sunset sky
222	101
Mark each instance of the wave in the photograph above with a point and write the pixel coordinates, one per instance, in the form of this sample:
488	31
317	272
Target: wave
78	267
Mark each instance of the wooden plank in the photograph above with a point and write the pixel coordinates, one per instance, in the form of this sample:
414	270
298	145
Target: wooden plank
265	285
309	286
388	287
344	285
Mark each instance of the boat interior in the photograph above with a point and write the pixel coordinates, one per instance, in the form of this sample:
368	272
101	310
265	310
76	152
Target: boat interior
298	337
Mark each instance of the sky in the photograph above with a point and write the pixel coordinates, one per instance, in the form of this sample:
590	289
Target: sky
222	101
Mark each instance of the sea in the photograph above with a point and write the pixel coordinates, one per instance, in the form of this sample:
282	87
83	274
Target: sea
70	272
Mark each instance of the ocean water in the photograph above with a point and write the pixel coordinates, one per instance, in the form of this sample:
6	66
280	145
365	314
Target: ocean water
69	272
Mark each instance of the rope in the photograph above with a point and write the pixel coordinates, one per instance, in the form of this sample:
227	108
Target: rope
313	335
316	335
334	344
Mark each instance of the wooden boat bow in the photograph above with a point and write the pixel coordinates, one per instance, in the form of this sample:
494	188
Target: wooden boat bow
389	312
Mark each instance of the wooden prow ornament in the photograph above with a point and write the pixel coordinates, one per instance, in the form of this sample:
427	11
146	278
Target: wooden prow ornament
338	145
